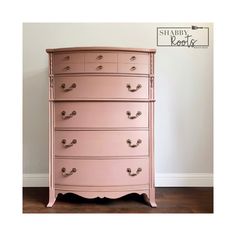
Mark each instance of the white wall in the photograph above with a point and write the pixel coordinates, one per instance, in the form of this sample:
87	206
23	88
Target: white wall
184	122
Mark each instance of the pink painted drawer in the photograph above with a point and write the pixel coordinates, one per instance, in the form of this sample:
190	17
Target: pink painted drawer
101	143
83	87
133	68
133	58
101	114
65	58
100	57
67	68
100	67
101	172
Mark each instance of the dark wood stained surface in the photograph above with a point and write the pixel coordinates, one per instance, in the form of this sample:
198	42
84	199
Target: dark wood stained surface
169	200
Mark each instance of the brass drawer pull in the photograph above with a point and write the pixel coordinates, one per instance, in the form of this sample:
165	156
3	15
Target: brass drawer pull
64	117
133	58
67	68
63	171
133	90
63	86
133	145
99	68
63	141
99	57
139	113
133	68
134	174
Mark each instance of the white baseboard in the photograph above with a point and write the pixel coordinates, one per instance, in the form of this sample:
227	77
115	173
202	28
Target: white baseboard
35	180
161	180
184	180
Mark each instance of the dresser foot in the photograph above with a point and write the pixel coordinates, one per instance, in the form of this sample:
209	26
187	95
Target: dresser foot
51	202
153	203
150	200
52	198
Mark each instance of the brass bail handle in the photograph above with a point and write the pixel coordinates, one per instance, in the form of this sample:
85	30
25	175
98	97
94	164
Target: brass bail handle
67	68
134	174
133	58
63	86
135	89
65	174
139	141
128	113
74	141
99	67
99	57
64	116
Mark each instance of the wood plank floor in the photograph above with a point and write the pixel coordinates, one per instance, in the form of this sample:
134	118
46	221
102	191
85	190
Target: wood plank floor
169	200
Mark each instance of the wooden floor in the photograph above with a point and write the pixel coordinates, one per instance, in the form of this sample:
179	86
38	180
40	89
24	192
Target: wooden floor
169	200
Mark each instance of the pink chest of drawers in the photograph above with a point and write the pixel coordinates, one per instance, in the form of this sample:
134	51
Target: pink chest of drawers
101	107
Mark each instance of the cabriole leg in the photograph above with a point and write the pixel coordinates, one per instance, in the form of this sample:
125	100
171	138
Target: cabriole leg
52	197
151	200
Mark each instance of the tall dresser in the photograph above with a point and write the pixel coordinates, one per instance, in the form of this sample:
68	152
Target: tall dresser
101	126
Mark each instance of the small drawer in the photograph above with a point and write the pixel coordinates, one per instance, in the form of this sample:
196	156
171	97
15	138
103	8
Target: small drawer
101	143
99	57
68	68
133	58
65	58
101	87
101	172
133	68
101	67
101	114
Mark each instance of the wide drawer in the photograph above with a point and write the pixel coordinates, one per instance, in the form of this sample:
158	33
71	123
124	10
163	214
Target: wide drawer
100	67
101	114
64	58
133	68
67	68
84	87
99	57
101	172
101	143
138	58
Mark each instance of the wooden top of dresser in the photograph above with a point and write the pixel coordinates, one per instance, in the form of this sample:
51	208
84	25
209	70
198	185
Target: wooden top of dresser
152	50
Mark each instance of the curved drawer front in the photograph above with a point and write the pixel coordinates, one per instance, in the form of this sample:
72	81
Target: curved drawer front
67	68
100	57
64	58
139	58
101	62
101	172
100	67
133	68
84	87
101	114
101	143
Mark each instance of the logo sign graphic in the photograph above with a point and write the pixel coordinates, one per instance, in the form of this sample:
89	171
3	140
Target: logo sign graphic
190	37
